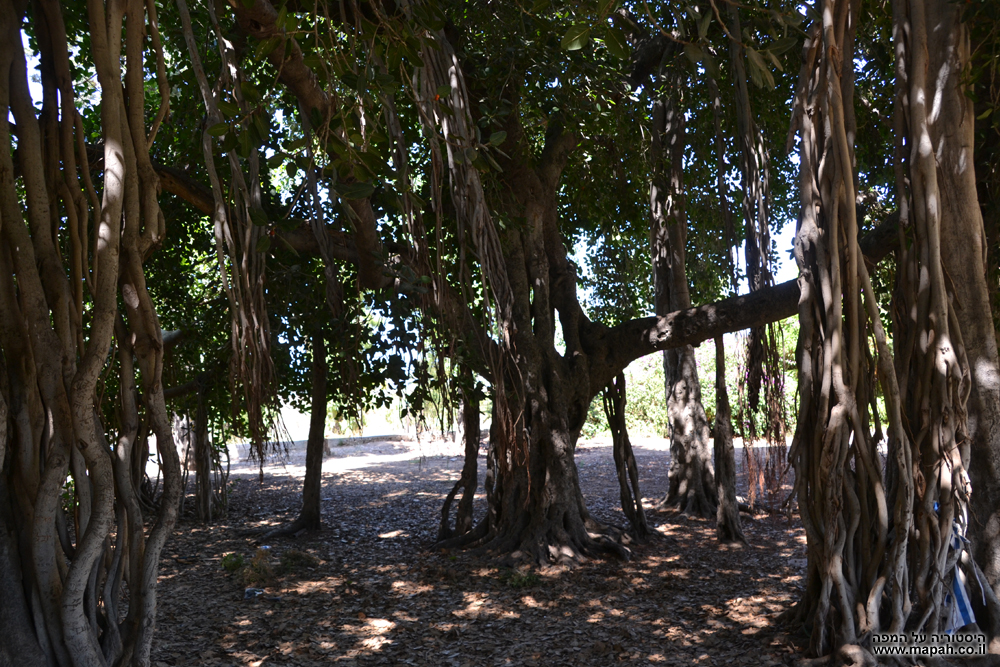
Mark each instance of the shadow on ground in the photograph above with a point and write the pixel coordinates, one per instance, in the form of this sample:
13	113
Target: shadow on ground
373	593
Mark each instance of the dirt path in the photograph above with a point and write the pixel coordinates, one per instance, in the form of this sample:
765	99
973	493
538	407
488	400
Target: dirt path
368	590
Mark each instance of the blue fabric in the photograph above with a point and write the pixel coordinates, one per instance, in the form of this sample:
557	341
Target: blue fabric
958	599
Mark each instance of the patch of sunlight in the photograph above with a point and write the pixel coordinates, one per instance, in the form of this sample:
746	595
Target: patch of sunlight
530	601
393	533
307	587
410	588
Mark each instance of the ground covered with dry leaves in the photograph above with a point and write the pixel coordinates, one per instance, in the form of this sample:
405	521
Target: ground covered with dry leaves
370	590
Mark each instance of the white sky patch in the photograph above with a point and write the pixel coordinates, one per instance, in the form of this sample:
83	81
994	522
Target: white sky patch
34	74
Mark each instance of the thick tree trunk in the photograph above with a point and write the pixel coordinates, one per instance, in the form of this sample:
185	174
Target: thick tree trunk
896	550
56	330
20	647
963	254
541	515
727	527
691	475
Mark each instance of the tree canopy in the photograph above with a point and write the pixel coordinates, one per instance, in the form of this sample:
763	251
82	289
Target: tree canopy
208	211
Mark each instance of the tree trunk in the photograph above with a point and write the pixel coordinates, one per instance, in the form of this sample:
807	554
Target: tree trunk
203	461
310	516
963	253
628	471
727	527
56	330
878	553
468	480
691	475
19	647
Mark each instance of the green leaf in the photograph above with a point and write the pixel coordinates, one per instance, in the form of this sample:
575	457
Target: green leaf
471	154
351	80
263	243
617	44
249	92
249	3
575	38
759	70
703	24
606	6
266	46
493	163
539	6
244	145
275	161
291	169
774	60
228	108
297	144
258	217
694	53
712	67
313	62
444	91
218	129
781	45
984	115
260	125
498	137
355	190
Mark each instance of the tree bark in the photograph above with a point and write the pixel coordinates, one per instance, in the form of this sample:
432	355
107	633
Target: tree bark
727	527
963	254
468	480
56	331
19	647
691	474
628	470
203	461
310	516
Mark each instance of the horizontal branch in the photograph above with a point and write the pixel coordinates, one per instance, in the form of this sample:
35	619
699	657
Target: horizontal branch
181	390
176	182
613	349
172	338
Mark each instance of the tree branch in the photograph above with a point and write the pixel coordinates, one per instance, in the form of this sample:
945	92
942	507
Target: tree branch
612	349
260	20
558	145
176	182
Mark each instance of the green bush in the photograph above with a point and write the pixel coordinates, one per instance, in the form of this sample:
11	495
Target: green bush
233	562
293	559
258	572
518	578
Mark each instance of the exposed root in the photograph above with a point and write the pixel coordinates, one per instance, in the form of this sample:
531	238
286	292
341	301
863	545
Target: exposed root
294	529
691	503
544	545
